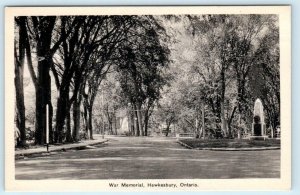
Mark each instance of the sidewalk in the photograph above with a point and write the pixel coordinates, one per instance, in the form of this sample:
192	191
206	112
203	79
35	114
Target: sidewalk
54	148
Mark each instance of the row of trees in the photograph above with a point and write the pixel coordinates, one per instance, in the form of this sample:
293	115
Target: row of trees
199	72
77	52
231	60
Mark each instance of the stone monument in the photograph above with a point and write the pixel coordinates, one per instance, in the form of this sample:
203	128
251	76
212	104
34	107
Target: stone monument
258	125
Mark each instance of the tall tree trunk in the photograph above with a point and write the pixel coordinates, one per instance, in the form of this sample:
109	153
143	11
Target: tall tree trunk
76	118
132	121
223	88
240	110
76	107
272	131
241	92
229	121
19	71
223	120
146	120
51	132
140	121
85	117
129	118
43	97
203	120
109	120
43	92
103	127
135	125
240	126
69	137
63	106
115	123
168	128
90	120
136	120
61	113
110	127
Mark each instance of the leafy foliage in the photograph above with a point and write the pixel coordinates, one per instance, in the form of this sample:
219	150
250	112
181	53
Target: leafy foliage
201	73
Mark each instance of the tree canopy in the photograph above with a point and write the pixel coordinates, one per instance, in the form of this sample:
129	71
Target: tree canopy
201	73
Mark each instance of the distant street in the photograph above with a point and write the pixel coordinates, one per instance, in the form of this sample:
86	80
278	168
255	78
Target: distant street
150	158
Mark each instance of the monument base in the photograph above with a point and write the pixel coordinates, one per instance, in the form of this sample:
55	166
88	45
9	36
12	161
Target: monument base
258	129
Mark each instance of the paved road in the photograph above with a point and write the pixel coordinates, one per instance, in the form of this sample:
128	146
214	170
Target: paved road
150	158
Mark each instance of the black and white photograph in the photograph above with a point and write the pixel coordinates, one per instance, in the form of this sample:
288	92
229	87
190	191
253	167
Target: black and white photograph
148	98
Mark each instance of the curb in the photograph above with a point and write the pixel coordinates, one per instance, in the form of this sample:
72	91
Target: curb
185	145
229	149
45	153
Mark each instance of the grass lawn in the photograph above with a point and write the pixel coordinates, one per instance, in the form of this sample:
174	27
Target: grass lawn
230	143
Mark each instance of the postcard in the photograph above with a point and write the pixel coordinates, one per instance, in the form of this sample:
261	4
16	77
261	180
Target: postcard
148	98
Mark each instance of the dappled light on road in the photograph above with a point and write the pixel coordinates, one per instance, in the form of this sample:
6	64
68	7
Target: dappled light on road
150	158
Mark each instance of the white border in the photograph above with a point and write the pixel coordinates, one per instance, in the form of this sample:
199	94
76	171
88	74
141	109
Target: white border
284	183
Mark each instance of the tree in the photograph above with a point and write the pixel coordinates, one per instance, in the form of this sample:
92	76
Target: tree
19	71
249	32
226	47
43	27
168	109
81	42
100	64
264	76
110	101
214	42
203	79
38	37
144	55
66	71
92	86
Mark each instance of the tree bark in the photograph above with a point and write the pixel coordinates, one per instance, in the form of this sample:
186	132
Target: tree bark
240	126
146	120
229	121
223	120
222	101
168	128
85	117
90	121
136	121
69	137
110	127
140	121
132	121
43	92
203	120
115	122
129	117
19	71
76	118
61	113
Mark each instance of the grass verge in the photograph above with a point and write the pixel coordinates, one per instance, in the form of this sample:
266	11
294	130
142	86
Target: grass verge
230	143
